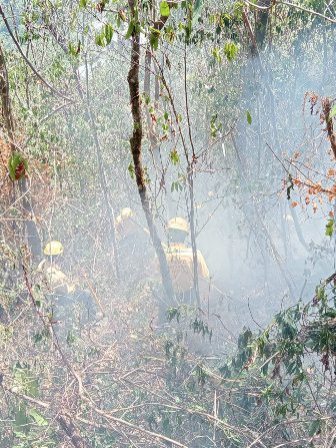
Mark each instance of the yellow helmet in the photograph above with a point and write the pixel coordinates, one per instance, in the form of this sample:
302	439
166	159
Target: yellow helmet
53	248
178	224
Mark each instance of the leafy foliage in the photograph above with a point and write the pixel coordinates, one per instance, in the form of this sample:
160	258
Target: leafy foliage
104	38
164	9
248	117
329	227
231	51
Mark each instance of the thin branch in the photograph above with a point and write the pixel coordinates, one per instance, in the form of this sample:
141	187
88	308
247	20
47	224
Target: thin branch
292	5
42	404
310	11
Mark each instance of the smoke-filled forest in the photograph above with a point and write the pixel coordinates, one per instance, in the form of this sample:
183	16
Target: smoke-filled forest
167	235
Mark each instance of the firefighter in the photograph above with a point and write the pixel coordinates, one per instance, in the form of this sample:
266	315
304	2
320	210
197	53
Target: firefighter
62	293
54	279
180	262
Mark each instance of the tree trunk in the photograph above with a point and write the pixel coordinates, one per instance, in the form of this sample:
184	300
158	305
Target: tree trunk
136	149
262	21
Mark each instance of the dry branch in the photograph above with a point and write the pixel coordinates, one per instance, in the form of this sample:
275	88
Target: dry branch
67	425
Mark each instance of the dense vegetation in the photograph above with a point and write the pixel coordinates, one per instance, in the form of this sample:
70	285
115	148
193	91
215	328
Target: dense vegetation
222	112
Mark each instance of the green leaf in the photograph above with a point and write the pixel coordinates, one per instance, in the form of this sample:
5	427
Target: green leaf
169	34
248	117
238	10
146	98
230	50
74	48
216	54
164	9
38	418
332	112
131	170
21	420
154	38
315	428
174	157
129	30
154	41
321	295
105	36
329	227
214	127
108	31
98	40
82	3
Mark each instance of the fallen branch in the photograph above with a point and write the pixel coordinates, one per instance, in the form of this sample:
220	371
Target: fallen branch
67	425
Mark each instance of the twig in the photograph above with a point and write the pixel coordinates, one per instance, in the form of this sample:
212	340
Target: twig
248	304
310	11
43	404
120	421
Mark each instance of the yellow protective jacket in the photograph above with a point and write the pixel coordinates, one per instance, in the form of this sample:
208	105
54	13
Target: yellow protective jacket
180	263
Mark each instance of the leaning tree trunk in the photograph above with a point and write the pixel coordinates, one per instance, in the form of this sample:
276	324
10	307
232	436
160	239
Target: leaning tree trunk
136	149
